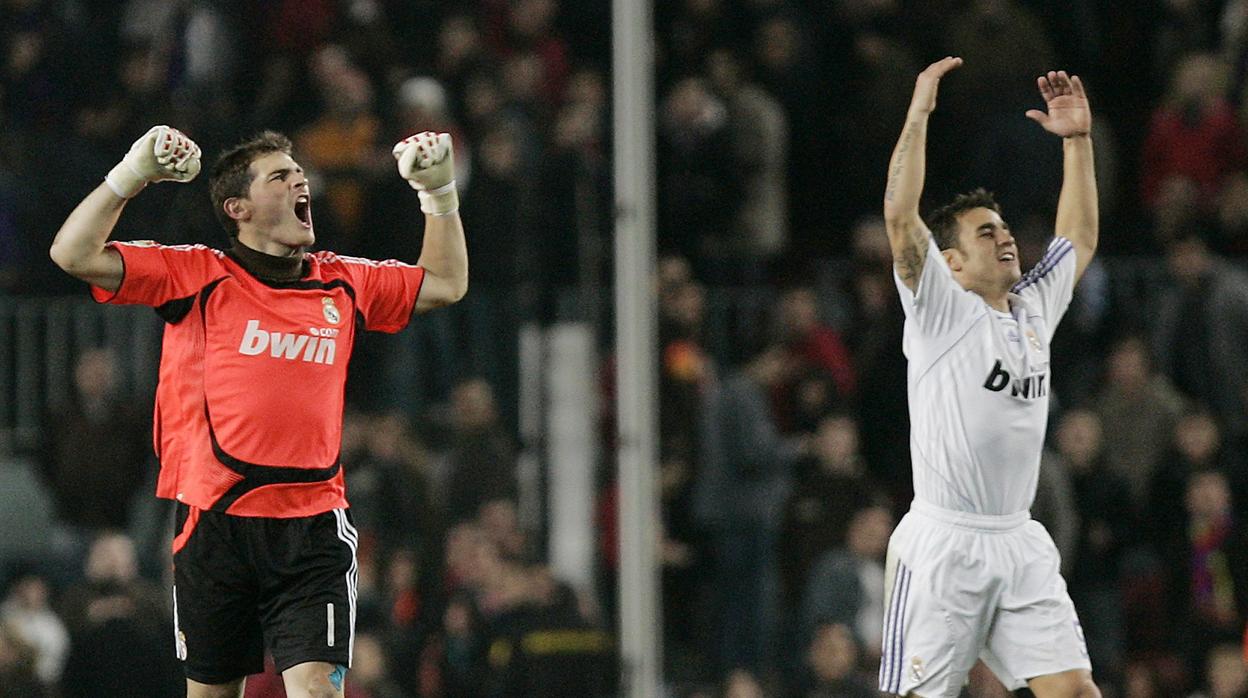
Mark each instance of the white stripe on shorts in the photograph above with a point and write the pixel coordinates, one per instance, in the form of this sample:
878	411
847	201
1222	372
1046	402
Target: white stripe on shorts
329	624
348	535
179	644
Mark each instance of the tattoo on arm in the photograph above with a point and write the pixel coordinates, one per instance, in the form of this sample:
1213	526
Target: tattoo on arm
898	158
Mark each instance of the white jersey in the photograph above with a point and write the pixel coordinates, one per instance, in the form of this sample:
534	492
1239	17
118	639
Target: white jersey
978	383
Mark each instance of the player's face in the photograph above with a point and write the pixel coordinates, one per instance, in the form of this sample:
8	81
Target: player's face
281	205
987	256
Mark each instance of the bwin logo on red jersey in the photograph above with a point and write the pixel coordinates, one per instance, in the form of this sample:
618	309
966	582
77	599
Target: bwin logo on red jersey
300	347
1028	388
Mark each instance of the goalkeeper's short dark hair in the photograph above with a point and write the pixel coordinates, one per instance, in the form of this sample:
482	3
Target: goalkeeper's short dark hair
231	175
944	220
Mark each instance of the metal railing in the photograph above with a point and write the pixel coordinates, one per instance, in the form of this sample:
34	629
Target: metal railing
41	337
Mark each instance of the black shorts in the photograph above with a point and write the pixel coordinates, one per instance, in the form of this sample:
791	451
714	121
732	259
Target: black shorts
243	584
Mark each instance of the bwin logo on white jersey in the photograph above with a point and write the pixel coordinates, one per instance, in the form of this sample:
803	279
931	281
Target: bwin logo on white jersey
1029	388
301	347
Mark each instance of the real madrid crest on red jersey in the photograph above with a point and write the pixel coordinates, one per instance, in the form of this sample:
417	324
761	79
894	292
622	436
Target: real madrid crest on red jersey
332	316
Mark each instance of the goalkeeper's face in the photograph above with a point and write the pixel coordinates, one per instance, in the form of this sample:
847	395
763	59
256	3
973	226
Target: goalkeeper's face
280	202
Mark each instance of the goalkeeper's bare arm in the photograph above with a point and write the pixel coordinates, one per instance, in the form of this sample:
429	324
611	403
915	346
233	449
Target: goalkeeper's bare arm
163	153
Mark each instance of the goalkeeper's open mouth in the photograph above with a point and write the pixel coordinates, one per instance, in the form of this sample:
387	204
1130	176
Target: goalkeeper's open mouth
303	210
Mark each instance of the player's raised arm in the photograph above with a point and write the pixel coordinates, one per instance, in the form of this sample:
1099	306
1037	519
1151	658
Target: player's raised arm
427	162
163	153
1070	116
907	235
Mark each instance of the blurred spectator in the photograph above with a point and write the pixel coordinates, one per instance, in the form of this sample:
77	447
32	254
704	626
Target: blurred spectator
461	53
501	206
1197	443
393	481
685	369
538	640
338	148
402	610
27	611
369	676
30	74
691	30
1200	331
1143	678
832	663
1208	561
1226	676
759	140
1055	507
481	459
831	485
880	71
290	31
522	79
1138	408
743	480
788	67
1106	529
577	199
1001	41
1194	134
113	617
93	486
527	27
815	342
17	665
846	585
699	185
453	661
1182	27
499	520
741	683
874	335
1232	216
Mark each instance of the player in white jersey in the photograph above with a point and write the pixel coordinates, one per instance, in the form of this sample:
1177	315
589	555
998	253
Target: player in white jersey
970	576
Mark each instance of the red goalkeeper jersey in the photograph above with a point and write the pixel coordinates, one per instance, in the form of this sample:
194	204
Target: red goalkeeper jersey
249	403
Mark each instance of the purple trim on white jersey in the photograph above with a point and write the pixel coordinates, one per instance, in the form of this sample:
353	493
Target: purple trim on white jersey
1057	250
893	650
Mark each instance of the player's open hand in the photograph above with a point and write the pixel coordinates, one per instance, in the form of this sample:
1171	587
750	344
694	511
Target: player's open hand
925	85
163	153
1068	111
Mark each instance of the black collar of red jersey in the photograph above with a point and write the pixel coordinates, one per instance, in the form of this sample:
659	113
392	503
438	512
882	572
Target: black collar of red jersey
267	267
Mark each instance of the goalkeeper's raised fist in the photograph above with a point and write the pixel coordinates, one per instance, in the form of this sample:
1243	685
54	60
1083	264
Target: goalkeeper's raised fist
427	162
162	153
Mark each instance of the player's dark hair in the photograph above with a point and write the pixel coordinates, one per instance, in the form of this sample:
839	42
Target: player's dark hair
231	175
944	220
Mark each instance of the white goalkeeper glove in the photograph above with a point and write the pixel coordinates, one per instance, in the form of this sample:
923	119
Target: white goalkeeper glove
162	153
427	162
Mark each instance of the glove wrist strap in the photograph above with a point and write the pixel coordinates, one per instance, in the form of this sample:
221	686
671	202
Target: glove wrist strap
441	201
124	181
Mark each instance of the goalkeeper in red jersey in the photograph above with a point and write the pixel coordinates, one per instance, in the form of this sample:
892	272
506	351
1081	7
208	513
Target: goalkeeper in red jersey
249	404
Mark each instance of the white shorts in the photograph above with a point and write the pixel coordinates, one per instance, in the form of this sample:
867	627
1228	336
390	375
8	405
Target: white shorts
961	587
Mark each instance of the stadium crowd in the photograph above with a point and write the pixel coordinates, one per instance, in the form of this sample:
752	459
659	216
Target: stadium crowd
784	448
